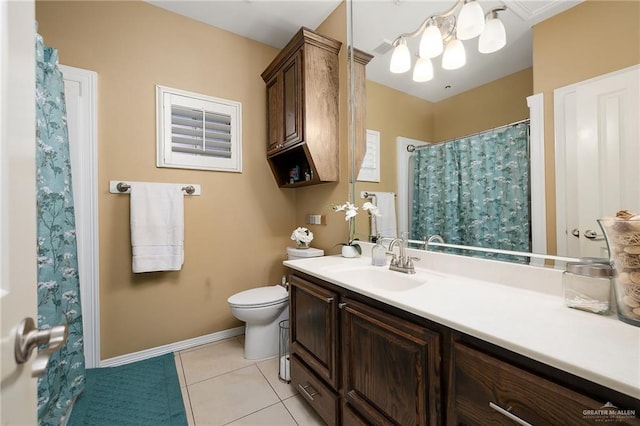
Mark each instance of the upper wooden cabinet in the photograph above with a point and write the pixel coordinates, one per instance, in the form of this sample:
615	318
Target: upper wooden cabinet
360	61
303	111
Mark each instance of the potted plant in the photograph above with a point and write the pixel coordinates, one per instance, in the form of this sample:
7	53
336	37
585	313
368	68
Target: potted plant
351	248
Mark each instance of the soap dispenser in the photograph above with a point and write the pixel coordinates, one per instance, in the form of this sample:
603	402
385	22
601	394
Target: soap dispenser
379	253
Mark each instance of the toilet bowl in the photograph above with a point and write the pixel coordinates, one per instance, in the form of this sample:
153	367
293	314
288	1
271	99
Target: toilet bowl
261	309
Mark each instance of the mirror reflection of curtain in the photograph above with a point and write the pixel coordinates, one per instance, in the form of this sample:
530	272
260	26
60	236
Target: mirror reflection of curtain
474	191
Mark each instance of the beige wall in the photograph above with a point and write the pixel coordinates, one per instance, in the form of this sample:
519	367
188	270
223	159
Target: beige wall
491	105
593	38
236	231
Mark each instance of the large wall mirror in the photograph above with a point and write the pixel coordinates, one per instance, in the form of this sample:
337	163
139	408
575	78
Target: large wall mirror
442	143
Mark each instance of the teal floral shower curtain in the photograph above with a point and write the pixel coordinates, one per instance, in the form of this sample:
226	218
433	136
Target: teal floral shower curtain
474	191
58	284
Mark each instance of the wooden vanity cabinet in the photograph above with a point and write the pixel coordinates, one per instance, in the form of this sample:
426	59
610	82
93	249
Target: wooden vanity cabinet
390	368
357	364
303	110
488	390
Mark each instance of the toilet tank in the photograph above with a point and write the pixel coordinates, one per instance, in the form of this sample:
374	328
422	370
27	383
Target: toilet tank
296	253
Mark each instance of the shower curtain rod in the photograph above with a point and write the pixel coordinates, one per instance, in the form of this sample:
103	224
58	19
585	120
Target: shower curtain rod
411	147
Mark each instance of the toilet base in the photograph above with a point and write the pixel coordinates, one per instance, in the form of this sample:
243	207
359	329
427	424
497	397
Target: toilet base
262	340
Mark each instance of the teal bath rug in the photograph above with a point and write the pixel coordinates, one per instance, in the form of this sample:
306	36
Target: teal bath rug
143	393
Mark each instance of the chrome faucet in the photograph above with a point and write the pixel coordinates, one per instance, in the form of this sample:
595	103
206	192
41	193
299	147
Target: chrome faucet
402	262
435	238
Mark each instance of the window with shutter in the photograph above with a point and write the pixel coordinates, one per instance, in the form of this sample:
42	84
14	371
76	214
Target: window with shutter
198	131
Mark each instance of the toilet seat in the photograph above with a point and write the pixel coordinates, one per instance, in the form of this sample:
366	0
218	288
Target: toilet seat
259	297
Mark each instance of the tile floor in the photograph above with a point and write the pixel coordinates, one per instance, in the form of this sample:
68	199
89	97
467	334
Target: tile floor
220	387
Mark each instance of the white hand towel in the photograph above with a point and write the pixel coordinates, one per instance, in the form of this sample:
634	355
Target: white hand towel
157	227
386	222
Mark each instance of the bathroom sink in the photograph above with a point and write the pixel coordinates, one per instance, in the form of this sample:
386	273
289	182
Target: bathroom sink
379	278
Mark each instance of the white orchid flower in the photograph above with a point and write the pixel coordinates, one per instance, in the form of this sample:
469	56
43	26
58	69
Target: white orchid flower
371	208
351	211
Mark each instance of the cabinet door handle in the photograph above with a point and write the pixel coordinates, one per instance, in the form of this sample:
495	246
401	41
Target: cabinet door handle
509	415
328	299
342	305
306	393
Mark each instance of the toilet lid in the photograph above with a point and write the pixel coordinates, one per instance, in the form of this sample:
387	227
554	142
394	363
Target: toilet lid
261	296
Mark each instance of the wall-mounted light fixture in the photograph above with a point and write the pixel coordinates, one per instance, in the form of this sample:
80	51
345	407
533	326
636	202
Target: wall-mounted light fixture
442	34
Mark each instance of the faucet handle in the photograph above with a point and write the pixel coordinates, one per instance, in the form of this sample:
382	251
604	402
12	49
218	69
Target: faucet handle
410	260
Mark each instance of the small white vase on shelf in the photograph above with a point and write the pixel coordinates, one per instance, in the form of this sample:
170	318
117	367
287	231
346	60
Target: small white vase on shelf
349	251
302	245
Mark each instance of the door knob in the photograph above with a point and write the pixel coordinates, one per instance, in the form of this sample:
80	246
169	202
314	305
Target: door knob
576	232
28	337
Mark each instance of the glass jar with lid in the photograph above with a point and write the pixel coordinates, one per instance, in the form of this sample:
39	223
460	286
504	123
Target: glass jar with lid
587	286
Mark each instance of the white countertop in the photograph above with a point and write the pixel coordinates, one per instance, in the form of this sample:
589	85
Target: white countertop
520	316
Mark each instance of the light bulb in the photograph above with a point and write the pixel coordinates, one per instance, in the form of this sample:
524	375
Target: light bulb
494	36
454	56
423	70
401	58
470	21
431	42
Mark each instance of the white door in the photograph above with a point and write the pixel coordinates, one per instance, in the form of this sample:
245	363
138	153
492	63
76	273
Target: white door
17	211
602	155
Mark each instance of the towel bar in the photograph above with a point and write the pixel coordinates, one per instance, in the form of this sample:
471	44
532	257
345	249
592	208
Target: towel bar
365	194
120	187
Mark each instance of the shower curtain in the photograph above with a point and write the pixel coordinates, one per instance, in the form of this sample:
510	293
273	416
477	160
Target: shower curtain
58	284
474	191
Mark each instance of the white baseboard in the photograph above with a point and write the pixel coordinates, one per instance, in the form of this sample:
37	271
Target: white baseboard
172	347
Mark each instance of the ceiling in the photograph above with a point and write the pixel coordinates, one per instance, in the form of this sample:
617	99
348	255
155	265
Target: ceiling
379	22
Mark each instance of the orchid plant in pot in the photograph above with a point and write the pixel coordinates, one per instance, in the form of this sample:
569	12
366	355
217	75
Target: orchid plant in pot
351	248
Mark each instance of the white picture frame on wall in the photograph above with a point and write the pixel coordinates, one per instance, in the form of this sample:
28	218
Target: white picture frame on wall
370	170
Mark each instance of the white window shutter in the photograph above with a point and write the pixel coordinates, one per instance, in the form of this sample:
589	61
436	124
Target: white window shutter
198	132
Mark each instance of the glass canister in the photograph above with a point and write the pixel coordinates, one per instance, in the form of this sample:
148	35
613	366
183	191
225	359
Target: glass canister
587	286
623	241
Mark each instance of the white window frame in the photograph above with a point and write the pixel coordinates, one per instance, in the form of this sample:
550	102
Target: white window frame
165	157
370	169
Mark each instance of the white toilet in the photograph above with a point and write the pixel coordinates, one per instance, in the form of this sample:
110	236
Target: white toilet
262	309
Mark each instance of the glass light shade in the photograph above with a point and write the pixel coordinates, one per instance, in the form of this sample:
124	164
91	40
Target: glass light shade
470	21
454	56
423	70
431	42
400	58
493	38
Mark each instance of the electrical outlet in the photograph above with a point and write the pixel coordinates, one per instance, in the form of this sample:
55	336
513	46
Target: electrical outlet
316	219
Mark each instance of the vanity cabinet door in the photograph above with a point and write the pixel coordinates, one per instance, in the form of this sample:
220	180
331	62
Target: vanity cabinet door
313	320
487	390
390	368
